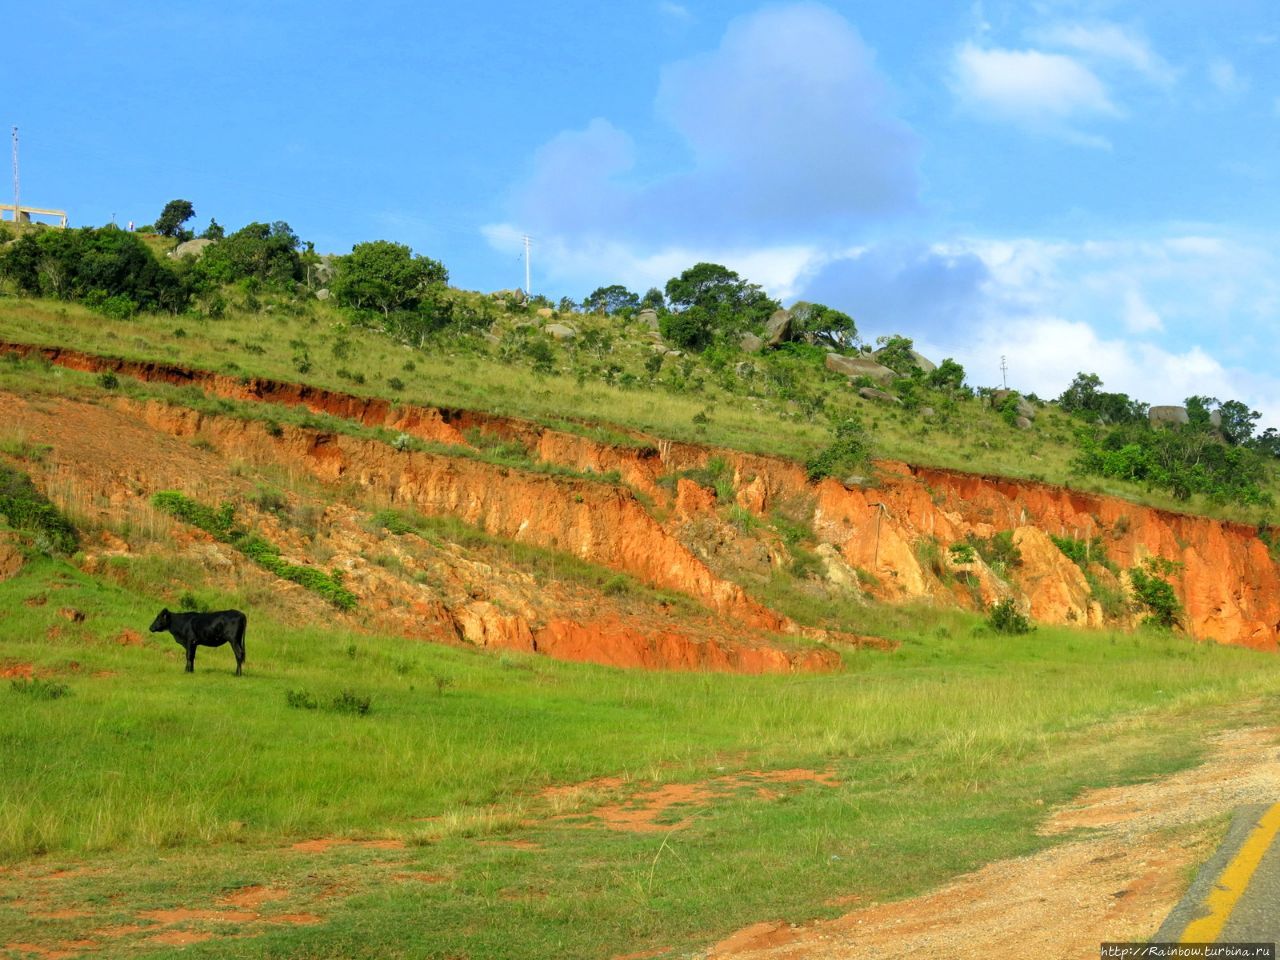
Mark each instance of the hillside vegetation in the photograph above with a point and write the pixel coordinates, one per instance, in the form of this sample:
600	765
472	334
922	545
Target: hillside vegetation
575	630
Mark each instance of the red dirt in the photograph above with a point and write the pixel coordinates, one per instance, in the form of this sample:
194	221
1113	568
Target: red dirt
179	938
16	669
183	915
129	638
641	812
321	844
296	919
252	897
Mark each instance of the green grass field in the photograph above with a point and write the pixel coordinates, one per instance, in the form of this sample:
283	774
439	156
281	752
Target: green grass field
171	790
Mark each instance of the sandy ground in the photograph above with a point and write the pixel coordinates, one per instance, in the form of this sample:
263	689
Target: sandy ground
1118	882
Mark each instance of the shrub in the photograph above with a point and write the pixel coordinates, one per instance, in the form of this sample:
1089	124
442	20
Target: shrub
962	553
301	700
1005	618
38	689
1157	595
848	453
617	586
108	380
350	702
27	509
998	551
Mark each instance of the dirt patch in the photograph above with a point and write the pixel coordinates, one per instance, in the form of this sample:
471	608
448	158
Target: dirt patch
652	810
1116	884
16	670
184	915
295	919
252	897
321	844
179	938
129	638
121	930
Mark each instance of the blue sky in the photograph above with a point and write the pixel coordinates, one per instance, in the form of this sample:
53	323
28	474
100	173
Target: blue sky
1073	185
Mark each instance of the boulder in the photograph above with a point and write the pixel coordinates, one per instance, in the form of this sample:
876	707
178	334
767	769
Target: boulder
323	293
1022	423
778	330
546	312
1025	407
743	369
871	393
515	296
191	248
1170	414
649	318
859	367
560	331
920	360
750	343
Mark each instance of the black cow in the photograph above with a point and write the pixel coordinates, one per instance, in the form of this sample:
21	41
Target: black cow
204	630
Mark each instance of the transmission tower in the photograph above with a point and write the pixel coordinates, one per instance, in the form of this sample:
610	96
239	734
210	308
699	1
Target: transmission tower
17	194
1004	372
528	241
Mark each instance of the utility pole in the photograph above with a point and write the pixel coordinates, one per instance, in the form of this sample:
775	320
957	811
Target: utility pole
528	240
17	201
875	559
1004	372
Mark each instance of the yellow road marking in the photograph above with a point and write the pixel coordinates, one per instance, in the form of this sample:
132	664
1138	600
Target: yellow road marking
1234	880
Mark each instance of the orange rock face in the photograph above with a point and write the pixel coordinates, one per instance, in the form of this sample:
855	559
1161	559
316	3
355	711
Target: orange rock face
898	531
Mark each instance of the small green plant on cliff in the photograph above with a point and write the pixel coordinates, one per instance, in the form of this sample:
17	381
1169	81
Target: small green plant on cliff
962	553
1082	552
848	453
998	551
1156	594
1005	618
29	511
219	523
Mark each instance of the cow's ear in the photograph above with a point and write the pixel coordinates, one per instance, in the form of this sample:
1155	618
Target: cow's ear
164	612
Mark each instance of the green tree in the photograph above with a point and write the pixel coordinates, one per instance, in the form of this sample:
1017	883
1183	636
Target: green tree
825	324
266	251
898	354
1086	400
653	300
385	276
610	299
213	231
731	303
949	376
174	215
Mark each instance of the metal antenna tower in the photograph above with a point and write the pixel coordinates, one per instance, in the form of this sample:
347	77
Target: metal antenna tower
528	241
1004	372
17	202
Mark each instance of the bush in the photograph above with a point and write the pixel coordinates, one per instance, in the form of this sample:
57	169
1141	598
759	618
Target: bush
301	700
26	509
1005	618
1157	595
849	452
962	553
350	702
998	551
108	380
38	689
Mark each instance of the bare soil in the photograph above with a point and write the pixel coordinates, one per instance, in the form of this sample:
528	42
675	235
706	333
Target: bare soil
1128	868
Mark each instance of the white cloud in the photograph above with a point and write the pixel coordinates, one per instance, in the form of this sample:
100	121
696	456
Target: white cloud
1049	92
1138	315
1108	43
1225	78
790	144
674	10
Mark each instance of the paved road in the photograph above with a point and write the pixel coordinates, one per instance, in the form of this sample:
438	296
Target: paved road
1236	896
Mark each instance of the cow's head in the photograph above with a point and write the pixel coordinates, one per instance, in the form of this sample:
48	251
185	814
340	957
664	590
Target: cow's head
161	621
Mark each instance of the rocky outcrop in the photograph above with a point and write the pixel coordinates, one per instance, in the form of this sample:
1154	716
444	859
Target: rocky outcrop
859	367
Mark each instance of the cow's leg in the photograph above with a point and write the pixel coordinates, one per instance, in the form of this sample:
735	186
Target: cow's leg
191	658
237	647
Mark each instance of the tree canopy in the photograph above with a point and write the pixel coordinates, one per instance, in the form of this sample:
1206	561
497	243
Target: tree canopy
385	276
174	215
610	299
825	324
